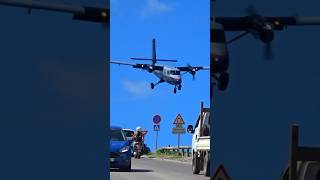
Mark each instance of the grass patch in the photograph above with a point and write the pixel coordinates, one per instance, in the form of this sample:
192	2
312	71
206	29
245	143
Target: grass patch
165	154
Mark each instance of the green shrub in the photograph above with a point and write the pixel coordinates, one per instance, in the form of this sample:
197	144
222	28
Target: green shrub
166	152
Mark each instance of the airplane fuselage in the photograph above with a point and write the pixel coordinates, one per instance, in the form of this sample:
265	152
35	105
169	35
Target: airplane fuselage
169	75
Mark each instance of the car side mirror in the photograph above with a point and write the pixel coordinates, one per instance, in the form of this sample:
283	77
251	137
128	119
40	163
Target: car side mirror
190	129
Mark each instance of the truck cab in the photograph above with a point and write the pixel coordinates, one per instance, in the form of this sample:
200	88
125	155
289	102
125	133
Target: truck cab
201	142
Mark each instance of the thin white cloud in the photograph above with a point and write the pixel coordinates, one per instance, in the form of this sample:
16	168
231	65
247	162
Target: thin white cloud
155	7
138	89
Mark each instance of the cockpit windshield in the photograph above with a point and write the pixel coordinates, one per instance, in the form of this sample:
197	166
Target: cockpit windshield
175	72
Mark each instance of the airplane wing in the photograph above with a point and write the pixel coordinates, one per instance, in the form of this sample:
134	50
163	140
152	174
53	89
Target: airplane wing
93	14
278	23
122	63
193	68
148	67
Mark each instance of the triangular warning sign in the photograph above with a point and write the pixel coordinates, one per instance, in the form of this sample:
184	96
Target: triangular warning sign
178	120
221	174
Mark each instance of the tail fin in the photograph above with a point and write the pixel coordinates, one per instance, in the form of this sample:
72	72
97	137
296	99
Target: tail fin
154	56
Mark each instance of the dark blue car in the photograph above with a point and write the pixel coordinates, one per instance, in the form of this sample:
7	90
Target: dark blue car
120	150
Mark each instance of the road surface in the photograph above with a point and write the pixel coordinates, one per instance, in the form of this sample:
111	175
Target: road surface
154	169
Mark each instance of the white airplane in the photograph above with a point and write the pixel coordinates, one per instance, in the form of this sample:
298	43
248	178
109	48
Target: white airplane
171	75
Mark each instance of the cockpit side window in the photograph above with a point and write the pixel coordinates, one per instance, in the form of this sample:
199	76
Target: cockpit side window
175	72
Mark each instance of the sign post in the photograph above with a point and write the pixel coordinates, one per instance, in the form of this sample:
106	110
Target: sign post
178	121
156	127
178	140
156	140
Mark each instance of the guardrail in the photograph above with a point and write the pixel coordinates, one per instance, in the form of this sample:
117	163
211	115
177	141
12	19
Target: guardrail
182	150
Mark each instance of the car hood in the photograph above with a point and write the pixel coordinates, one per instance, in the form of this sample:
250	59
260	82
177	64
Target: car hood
115	146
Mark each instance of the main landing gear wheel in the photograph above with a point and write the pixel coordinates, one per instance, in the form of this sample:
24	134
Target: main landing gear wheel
179	87
174	90
152	85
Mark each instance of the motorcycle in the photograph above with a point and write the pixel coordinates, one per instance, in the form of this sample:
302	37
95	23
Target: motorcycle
137	150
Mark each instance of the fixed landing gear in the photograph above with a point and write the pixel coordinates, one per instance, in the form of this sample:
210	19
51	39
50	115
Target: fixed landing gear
175	88
179	87
153	85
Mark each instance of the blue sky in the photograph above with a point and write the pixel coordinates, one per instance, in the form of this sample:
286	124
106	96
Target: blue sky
252	118
181	29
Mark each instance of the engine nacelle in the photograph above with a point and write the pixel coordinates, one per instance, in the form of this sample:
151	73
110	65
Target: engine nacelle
150	69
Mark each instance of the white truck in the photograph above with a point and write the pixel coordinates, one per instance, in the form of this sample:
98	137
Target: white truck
201	142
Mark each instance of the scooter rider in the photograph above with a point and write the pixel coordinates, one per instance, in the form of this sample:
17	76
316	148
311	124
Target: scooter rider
138	136
138	139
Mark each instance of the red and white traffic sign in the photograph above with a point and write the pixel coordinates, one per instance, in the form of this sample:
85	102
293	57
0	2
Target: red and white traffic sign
178	120
156	119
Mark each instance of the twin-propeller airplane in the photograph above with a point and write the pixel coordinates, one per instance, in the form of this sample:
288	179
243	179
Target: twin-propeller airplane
171	75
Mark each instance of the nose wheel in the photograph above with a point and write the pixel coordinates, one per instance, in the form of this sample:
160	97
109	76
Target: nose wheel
179	87
152	86
175	88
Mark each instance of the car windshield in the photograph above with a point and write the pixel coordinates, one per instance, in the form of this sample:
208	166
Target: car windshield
128	133
116	135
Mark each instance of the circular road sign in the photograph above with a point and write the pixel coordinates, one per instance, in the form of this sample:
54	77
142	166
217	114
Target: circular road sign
156	119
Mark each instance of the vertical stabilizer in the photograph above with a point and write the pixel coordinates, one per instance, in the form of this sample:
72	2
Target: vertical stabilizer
154	56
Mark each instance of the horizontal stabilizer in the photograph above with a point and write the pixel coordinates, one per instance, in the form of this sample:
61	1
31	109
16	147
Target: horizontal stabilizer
147	59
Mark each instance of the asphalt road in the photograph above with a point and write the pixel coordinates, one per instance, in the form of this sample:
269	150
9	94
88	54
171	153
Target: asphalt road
154	169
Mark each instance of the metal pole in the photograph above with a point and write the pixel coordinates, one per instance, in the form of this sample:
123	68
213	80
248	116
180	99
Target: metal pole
178	140
156	140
